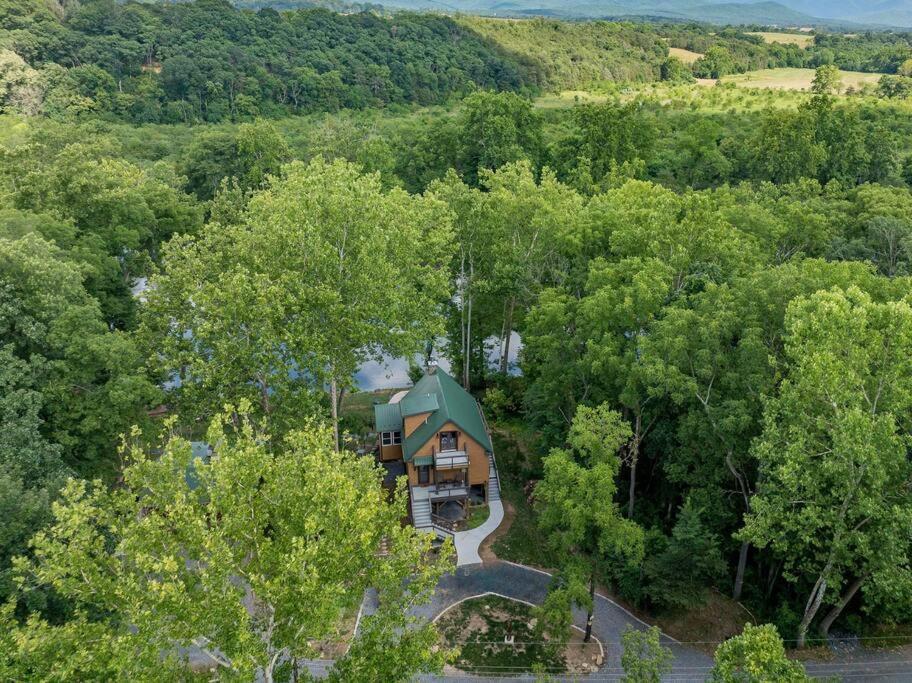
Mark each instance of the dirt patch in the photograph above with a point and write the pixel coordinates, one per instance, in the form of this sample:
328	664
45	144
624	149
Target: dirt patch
718	619
582	657
486	550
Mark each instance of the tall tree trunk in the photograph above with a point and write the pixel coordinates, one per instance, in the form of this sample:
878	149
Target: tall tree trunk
771	579
467	379
634	457
746	494
462	315
844	599
334	391
588	635
631	493
739	575
810	609
508	332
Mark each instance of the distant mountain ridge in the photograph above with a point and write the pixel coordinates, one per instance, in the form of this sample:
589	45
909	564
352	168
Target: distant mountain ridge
845	13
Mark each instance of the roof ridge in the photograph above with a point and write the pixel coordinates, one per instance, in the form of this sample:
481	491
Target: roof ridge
442	398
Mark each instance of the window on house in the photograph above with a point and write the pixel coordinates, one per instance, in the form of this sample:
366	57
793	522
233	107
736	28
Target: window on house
391	438
448	441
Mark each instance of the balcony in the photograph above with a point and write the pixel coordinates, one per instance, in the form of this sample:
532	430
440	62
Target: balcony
447	491
451	460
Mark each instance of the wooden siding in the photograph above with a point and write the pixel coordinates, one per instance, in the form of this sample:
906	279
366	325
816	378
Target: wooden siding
478	459
412	423
388	453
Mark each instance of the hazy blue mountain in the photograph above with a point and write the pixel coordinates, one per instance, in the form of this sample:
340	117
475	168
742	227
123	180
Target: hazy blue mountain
893	12
772	12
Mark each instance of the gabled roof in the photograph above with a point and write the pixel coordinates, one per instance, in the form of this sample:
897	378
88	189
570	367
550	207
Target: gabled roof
454	404
387	417
415	403
441	396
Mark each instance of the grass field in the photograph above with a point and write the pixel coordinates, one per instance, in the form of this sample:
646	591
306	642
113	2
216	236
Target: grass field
794	79
568	98
800	39
685	56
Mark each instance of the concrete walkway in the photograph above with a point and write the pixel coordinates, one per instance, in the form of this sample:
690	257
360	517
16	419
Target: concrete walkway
468	542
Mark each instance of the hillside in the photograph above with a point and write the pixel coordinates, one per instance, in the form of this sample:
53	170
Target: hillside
209	61
572	54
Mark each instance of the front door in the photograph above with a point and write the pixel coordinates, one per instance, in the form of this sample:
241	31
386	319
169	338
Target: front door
424	474
448	441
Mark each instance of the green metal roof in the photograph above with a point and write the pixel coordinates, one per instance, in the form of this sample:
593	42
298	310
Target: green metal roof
424	460
446	401
455	405
387	417
415	403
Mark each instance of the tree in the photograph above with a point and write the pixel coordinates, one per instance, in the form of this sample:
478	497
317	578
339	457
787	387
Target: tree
472	265
528	224
674	70
253	556
576	504
623	301
715	63
497	129
835	476
645	659
785	148
326	271
31	467
756	656
678	575
827	80
92	382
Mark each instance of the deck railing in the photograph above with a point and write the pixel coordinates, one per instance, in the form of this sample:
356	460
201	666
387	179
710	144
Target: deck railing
447	524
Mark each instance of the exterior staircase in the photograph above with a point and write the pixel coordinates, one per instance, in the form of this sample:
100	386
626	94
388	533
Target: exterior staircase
421	513
422	518
493	481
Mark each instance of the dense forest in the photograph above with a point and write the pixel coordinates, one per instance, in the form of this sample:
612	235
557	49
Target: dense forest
209	61
712	290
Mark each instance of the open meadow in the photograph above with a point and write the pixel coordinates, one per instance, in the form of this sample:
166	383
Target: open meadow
793	79
800	39
686	56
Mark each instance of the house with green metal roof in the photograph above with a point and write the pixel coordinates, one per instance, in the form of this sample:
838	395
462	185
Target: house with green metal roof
437	429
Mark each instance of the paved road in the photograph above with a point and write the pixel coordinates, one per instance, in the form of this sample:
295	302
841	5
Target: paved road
524	583
611	620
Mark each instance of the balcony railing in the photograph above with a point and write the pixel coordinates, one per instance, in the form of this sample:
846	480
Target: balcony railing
447	491
451	460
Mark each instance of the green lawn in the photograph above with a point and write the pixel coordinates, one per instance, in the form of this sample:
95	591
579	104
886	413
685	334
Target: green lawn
478	515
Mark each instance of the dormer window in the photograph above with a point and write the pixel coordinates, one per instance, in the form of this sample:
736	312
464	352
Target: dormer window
391	438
